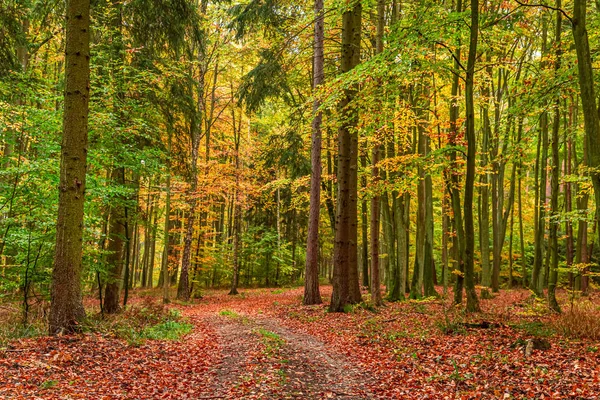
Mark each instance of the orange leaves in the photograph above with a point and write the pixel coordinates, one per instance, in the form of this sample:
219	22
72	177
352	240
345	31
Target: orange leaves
264	344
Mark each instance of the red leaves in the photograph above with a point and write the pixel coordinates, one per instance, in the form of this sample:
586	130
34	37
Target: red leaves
92	366
269	346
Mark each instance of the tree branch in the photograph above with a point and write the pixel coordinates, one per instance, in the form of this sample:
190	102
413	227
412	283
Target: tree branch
563	12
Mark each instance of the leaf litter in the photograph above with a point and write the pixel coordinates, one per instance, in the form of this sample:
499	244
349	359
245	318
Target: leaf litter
264	345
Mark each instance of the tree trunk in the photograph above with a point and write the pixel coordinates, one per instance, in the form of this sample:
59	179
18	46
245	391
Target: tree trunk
66	307
472	300
537	282
116	244
311	276
453	179
345	268
555	212
167	226
237	206
376	201
364	226
484	202
588	96
375	213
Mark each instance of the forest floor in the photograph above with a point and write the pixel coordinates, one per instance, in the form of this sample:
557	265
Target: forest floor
263	344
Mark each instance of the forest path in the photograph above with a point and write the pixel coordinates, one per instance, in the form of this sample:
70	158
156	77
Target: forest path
260	358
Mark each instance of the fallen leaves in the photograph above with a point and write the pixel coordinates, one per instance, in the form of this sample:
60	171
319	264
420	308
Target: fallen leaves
264	344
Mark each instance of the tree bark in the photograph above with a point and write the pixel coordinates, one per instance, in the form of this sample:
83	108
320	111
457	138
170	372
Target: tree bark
472	300
537	284
555	212
116	235
588	96
345	269
66	307
375	201
311	276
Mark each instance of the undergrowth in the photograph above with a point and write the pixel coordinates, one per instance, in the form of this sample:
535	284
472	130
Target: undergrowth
13	327
149	320
580	321
135	325
16	330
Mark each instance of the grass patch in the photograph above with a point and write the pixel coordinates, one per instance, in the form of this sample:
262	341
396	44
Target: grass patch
234	316
11	331
271	340
304	317
168	330
49	384
229	313
534	328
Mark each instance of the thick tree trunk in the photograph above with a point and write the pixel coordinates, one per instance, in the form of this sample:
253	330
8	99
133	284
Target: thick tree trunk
345	269
311	276
588	96
66	307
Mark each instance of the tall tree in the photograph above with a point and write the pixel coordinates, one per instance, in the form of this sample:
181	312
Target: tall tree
311	275
587	92
376	200
66	307
554	220
472	300
346	288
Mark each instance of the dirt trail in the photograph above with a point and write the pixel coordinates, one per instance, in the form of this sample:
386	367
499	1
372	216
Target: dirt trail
262	359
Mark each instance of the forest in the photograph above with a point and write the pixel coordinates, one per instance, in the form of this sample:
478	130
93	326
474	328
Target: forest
318	199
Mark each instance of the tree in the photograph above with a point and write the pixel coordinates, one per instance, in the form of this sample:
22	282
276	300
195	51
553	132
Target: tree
472	301
588	95
376	200
553	237
311	275
66	308
345	259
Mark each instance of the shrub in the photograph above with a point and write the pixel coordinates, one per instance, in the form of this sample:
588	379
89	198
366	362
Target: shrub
581	321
